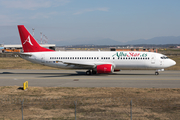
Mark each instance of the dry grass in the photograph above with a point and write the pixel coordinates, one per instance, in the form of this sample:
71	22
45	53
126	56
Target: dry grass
92	103
169	51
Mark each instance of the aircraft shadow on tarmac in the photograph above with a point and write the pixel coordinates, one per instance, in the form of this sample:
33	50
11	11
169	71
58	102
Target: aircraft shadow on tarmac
84	74
78	73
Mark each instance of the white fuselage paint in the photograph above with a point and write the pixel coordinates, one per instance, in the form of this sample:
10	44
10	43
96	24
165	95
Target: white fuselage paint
119	59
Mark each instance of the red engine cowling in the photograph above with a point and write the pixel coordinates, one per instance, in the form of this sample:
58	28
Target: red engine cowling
105	68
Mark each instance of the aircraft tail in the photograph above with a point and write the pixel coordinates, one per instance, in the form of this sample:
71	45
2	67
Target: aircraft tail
29	44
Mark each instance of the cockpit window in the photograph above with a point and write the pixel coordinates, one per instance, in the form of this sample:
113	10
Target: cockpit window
164	57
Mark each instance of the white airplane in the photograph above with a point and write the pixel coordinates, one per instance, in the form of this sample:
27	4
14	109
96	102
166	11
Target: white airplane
96	62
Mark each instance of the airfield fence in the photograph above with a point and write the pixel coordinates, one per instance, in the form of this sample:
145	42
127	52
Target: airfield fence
83	108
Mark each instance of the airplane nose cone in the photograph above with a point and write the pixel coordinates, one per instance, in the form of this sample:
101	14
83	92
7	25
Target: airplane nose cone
173	62
169	63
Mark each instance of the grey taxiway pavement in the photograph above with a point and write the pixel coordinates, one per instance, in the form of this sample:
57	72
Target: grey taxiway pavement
77	78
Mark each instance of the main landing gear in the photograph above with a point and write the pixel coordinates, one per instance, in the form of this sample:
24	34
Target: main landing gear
90	72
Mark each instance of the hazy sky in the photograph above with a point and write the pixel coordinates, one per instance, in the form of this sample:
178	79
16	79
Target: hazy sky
69	20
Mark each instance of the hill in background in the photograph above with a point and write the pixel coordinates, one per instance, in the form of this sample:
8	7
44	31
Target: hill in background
108	41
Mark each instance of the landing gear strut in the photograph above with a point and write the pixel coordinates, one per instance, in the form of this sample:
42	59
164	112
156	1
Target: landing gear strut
94	72
90	72
157	71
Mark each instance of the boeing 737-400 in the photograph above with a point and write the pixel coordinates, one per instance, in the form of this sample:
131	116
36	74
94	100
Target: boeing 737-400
95	62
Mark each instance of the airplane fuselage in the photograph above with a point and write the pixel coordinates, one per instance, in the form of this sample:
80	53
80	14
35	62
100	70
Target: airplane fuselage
119	60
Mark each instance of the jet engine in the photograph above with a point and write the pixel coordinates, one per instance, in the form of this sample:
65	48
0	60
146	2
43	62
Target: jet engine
105	68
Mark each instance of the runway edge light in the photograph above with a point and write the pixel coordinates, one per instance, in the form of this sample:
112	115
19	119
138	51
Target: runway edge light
25	85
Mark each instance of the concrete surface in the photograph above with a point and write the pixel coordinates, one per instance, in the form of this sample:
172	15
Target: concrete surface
77	78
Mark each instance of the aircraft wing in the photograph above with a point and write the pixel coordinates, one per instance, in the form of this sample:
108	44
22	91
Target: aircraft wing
84	64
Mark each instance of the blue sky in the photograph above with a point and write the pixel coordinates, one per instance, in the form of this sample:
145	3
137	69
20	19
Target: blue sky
69	20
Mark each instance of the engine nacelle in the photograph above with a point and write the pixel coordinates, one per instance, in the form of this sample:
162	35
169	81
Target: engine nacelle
105	68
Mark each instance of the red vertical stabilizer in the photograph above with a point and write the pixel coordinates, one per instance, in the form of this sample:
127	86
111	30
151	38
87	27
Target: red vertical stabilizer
28	42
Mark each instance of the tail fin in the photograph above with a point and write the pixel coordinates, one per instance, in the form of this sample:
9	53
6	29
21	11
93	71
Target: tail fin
28	42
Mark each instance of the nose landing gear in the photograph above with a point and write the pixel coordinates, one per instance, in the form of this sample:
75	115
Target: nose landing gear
156	73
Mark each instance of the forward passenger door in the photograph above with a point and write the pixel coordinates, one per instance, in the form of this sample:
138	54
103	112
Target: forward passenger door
153	59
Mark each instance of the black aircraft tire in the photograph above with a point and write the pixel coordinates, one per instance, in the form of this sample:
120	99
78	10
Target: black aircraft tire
156	73
88	72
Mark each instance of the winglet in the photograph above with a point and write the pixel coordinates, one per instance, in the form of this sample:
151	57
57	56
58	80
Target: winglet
28	42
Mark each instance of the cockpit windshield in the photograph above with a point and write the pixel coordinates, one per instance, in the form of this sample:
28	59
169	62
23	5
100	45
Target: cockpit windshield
164	57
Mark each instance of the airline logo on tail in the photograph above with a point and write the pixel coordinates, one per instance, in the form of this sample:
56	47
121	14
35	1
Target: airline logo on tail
28	40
